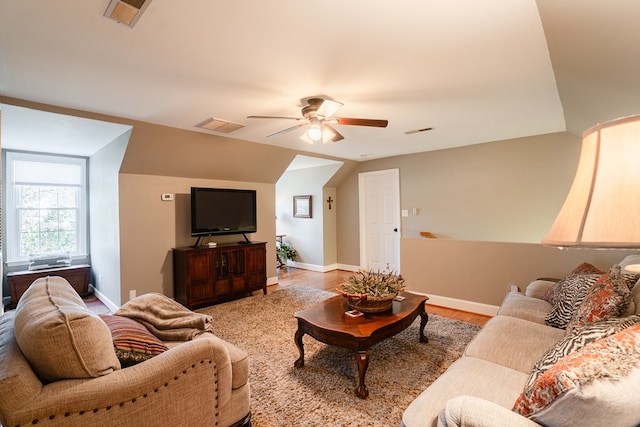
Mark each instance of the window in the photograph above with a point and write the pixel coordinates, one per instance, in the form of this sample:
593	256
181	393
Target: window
46	205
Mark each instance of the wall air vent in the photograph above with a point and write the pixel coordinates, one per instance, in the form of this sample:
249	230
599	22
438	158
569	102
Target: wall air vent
127	12
219	125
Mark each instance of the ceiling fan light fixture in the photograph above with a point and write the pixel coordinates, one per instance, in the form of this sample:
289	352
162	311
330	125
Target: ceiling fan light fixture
315	132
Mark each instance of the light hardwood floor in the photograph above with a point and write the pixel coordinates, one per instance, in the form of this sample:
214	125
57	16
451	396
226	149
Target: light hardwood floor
332	279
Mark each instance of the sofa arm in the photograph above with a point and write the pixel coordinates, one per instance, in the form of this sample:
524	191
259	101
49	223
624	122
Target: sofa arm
538	288
468	411
178	387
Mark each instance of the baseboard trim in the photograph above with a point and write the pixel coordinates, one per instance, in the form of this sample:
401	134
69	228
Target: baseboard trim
463	305
106	301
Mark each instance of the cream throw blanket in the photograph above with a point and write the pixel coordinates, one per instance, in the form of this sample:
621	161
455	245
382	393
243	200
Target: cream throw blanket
165	318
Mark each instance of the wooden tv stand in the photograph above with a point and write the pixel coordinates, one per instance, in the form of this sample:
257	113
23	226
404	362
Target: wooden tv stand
205	276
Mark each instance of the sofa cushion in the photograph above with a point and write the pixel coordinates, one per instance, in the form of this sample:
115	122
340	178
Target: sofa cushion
568	299
553	295
577	339
594	386
539	288
524	307
608	297
59	336
500	333
491	382
132	342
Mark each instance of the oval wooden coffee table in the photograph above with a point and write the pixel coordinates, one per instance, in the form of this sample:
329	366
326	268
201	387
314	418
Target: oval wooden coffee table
328	323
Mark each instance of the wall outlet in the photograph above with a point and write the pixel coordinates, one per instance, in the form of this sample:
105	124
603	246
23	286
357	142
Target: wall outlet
132	294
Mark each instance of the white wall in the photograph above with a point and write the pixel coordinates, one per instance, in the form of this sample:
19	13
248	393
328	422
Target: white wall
104	214
312	238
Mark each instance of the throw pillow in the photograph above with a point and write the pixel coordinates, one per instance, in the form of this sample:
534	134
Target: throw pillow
59	336
608	297
591	386
132	342
576	340
569	299
551	296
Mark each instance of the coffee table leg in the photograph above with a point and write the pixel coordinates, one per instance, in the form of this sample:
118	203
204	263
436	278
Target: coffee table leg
362	359
424	318
298	338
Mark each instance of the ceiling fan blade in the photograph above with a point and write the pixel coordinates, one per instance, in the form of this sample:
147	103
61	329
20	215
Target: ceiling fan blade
362	122
328	108
287	130
274	117
337	136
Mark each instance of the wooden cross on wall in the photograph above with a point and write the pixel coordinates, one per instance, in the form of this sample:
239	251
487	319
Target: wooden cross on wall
329	200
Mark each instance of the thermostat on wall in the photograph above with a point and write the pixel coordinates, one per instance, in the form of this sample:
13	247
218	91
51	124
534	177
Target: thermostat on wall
166	197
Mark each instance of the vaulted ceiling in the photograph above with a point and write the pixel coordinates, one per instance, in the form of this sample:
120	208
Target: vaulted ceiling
473	71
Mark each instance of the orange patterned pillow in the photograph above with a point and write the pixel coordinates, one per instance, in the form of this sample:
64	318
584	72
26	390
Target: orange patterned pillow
602	363
608	297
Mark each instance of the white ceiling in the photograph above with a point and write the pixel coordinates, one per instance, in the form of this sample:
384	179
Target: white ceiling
474	71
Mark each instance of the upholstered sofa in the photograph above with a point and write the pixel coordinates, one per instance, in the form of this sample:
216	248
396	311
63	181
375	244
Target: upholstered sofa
521	371
60	365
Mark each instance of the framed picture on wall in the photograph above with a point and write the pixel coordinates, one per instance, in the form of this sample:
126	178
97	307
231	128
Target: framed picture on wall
302	206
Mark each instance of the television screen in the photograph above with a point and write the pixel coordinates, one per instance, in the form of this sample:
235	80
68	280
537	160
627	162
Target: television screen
216	211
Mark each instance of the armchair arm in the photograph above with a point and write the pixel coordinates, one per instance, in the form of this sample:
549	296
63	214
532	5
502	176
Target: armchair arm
468	411
178	387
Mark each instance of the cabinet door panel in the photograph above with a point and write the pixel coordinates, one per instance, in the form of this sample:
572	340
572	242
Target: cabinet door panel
199	278
222	285
256	267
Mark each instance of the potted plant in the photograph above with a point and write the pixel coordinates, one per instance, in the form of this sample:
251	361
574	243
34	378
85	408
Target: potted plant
286	251
371	291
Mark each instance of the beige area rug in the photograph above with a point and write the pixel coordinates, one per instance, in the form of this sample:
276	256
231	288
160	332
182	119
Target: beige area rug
321	393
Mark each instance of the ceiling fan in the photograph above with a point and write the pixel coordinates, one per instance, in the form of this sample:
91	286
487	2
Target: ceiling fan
318	116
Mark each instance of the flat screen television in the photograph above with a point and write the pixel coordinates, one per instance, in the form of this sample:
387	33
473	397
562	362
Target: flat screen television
220	211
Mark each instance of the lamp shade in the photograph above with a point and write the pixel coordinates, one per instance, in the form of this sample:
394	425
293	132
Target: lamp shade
602	209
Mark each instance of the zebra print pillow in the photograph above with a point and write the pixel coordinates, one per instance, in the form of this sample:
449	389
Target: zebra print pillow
569	297
552	295
578	339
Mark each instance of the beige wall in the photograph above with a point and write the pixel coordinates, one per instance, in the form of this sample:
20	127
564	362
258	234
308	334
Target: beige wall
482	272
150	228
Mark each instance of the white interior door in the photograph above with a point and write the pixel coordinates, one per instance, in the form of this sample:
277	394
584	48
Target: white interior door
379	220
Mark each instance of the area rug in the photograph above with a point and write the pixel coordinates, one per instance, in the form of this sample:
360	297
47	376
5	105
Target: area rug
322	392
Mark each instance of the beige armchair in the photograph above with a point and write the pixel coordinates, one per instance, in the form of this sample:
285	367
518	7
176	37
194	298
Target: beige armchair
201	382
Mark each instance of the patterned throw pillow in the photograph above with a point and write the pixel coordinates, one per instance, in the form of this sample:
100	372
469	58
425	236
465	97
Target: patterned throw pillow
132	341
576	340
551	296
598	367
608	297
569	299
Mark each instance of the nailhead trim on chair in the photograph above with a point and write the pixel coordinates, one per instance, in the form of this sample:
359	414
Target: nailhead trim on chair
145	395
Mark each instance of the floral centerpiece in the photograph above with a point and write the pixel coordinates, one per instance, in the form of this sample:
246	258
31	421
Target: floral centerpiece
371	291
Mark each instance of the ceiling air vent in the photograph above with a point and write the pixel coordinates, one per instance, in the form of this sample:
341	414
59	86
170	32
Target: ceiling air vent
126	11
219	125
